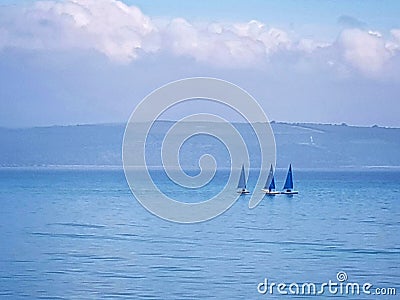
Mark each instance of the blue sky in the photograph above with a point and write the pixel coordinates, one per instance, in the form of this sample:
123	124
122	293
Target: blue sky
87	61
382	14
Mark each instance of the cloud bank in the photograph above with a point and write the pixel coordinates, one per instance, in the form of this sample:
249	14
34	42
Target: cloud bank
124	34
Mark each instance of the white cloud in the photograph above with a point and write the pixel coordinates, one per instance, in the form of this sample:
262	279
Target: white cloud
364	51
375	33
215	43
396	34
108	26
394	45
123	32
309	45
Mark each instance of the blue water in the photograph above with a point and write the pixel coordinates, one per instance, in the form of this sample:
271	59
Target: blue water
80	234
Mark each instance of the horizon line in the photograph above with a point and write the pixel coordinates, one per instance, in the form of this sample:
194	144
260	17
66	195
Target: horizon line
344	124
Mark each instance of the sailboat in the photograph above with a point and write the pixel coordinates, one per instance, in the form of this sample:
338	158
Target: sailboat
242	183
288	187
269	188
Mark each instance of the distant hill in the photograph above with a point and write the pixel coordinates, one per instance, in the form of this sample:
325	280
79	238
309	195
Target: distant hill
303	145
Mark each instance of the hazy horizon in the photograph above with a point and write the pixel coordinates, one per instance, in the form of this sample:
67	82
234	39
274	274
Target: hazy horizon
168	120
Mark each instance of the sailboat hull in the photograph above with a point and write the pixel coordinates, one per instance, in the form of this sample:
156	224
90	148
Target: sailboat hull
290	193
270	193
243	192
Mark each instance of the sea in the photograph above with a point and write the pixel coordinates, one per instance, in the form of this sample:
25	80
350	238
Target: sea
76	233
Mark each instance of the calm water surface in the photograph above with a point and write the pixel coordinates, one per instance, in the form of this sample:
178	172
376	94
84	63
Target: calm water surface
80	234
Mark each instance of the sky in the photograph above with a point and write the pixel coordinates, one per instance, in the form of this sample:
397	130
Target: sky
92	61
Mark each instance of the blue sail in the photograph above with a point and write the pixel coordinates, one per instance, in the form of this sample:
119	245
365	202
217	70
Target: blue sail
242	179
270	183
289	180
